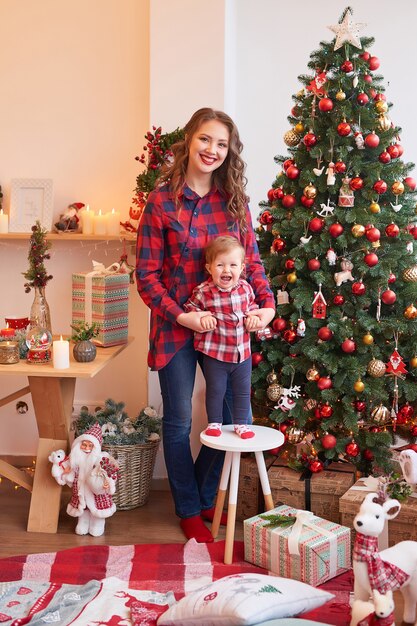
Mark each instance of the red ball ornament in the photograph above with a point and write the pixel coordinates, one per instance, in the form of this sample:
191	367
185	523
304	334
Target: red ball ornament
310	140
384	157
368	455
256	358
400	149
284	427
328	442
324	333
358	289
371	259
413	431
406	411
359	406
378	97
279	324
266	218
392	230
293	172
343	129
325	105
372	234
278	245
326	410
316	225
352	449
372	140
367	78
356	183
413	231
307	202
392	278
288	201
338	300
348	346
347	66
374	429
324	382
380	186
289	264
365	56
316	466
288	163
336	229
270	195
362	99
388	296
340	167
410	182
373	63
313	265
290	335
278	193
393	151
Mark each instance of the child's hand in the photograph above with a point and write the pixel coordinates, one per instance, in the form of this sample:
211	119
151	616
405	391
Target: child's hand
252	322
208	322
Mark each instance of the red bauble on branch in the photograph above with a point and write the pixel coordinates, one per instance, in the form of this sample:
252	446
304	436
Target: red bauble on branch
324	333
371	259
310	140
293	172
288	163
352	449
372	140
393	151
290	335
356	183
373	63
388	296
362	99
347	66
324	382
384	157
313	265
289	264
336	229
372	234
358	288
380	186
316	466
410	182
288	201
392	230
340	167
348	346
344	129
325	105
266	218
257	358
278	193
328	441
326	410
338	300
278	245
279	324
316	225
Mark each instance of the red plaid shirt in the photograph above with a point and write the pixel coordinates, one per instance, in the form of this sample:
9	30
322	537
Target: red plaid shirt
170	261
229	341
382	575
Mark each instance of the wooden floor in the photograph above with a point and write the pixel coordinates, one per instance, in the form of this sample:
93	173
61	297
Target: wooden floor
155	522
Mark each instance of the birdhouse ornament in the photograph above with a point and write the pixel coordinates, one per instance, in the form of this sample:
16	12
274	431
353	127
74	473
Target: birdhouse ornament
319	305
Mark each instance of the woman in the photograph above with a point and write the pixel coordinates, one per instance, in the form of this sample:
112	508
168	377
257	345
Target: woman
201	195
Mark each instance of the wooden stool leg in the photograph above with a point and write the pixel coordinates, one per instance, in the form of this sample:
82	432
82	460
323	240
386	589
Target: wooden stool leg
221	494
263	477
231	509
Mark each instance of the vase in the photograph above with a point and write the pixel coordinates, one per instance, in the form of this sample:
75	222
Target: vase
39	311
84	351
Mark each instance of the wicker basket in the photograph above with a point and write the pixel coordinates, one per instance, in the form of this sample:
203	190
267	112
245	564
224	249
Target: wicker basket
137	463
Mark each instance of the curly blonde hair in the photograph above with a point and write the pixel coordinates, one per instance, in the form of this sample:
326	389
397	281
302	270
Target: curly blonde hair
229	177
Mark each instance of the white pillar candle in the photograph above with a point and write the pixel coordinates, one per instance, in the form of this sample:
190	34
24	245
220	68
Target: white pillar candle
87	221
4	222
60	354
113	223
100	223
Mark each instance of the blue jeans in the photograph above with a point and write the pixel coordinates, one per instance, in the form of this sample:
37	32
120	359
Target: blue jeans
220	374
193	484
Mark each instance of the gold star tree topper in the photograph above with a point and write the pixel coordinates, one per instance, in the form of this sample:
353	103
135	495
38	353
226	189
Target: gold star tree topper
347	31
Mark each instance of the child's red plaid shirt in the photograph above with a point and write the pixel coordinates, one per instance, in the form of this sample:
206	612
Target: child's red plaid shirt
229	341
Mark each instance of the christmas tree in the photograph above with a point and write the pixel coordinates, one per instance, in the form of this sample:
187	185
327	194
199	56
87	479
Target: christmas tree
337	367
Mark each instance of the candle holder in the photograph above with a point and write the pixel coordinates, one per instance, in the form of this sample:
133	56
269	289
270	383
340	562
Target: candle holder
39	341
9	352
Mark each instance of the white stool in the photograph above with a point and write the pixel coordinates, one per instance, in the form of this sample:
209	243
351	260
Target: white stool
265	439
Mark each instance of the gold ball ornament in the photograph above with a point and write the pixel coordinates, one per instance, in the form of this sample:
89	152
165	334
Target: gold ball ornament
292	277
291	138
294	434
376	368
397	188
299	128
340	95
384	122
274	392
410	274
358	230
310	191
374	207
381	106
312	374
368	339
410	312
271	378
358	386
380	414
413	361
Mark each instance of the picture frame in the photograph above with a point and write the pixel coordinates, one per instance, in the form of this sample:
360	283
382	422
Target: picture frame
31	199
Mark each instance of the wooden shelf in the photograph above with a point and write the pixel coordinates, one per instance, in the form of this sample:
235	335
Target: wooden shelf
73	236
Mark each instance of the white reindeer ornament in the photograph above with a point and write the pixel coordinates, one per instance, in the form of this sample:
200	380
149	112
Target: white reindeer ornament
391	569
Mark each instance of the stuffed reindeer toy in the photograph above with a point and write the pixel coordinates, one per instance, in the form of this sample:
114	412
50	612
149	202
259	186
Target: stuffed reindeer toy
391	569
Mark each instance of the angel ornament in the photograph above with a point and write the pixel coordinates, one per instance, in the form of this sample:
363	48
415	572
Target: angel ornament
331	178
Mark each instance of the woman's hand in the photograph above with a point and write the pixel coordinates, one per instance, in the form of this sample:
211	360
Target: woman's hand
194	321
252	321
264	316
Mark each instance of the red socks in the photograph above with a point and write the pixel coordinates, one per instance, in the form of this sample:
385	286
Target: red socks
244	431
194	528
213	430
208	514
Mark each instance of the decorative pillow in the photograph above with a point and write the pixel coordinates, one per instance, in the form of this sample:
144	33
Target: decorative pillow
242	600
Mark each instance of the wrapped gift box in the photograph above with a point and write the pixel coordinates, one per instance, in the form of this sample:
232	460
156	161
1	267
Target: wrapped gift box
323	547
104	299
401	528
318	493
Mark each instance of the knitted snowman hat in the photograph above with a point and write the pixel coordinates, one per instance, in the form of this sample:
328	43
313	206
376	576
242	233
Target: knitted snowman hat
93	434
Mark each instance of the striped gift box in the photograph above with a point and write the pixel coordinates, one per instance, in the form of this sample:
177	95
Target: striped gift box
313	550
107	306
